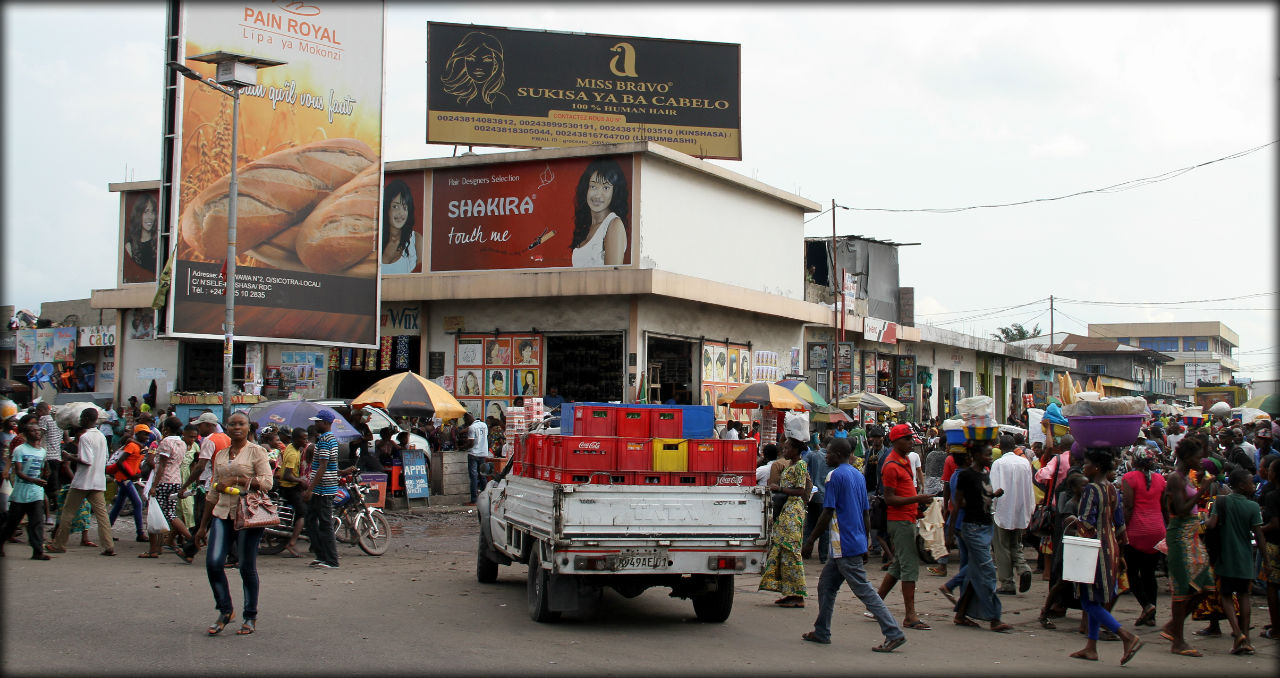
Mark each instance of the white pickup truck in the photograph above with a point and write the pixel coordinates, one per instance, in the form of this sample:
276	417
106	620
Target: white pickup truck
578	538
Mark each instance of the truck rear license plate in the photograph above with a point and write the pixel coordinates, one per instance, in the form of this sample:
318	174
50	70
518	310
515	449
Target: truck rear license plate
640	559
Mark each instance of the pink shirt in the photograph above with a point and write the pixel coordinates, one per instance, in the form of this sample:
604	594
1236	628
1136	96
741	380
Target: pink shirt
1145	526
174	451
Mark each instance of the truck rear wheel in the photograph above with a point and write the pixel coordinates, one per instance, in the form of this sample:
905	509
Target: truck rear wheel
714	607
539	595
486	570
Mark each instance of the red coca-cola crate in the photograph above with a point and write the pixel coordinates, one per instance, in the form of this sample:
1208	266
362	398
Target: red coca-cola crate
537	449
724	479
685	479
593	477
595	420
635	454
586	453
666	422
633	422
705	456
651	478
739	456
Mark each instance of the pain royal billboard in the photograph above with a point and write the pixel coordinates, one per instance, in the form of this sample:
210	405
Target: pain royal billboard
568	212
310	174
491	86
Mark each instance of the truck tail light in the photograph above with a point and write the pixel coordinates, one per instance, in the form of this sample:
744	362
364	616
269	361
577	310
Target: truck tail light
726	563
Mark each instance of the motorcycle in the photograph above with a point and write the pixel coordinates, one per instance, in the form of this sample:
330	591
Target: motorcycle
354	521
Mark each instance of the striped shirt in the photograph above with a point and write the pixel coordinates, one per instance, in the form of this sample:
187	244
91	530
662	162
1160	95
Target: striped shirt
52	439
326	454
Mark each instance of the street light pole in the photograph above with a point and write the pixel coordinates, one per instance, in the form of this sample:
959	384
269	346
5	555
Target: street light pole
234	71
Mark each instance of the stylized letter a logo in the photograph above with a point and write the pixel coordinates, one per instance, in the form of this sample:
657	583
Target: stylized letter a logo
627	54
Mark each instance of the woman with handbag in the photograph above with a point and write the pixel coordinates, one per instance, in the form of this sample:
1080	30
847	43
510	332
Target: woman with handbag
241	477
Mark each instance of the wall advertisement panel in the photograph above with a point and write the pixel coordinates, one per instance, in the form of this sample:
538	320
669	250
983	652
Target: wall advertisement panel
139	236
495	86
546	214
310	139
491	370
724	368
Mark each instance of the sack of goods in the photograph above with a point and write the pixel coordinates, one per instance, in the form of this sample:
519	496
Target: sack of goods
977	411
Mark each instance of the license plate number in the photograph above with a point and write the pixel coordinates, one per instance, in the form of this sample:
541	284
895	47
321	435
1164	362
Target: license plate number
639	559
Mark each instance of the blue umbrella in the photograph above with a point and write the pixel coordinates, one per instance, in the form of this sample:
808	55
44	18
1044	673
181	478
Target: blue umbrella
297	414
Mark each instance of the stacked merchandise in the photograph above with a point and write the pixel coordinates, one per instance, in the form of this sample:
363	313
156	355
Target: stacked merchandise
766	366
621	445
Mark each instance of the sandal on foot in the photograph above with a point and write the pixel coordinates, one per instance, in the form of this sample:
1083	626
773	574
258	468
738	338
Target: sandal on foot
1268	634
948	594
964	621
89	544
109	552
148	554
1189	652
1131	650
50	548
1002	627
890	645
1081	654
42	556
1206	633
1046	623
813	638
221	623
918	625
792	603
247	627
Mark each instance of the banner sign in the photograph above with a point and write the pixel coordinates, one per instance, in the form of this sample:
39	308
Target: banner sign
139	237
544	214
98	335
883	331
46	345
1193	372
310	140
492	86
402	211
415	474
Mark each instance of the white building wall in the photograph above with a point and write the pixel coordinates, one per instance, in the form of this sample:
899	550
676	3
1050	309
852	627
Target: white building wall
138	361
697	225
688	319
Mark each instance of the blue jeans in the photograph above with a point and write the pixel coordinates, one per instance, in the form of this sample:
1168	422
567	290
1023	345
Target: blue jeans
980	574
850	569
473	472
958	578
222	534
127	489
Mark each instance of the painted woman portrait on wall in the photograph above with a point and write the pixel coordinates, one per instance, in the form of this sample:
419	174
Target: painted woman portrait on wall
599	215
399	242
528	383
140	239
469	383
475	69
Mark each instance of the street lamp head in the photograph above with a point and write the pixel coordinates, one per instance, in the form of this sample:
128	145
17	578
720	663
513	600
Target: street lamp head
185	71
236	70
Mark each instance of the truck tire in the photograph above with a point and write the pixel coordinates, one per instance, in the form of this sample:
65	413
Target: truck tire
714	607
539	595
486	570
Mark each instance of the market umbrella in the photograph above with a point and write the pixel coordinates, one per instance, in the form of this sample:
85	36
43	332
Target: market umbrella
870	401
1269	403
830	415
297	414
410	395
762	394
804	391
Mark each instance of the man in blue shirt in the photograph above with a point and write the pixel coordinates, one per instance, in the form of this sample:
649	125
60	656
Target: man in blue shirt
844	512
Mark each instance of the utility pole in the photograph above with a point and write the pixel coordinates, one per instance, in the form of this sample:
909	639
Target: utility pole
835	324
1051	320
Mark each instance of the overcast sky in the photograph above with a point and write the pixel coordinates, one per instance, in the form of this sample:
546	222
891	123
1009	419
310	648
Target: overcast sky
902	107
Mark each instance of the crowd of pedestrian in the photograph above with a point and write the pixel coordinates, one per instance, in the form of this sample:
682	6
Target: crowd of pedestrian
1201	506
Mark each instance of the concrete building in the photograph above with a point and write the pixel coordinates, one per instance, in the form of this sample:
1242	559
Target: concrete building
1121	370
1201	351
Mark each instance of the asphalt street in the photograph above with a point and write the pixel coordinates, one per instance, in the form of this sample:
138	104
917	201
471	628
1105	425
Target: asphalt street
418	609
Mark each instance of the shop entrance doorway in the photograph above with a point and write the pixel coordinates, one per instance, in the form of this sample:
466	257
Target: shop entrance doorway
673	360
200	365
585	367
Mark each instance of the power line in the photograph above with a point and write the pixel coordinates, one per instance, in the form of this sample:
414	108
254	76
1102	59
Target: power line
1114	188
1162	303
984	315
975	310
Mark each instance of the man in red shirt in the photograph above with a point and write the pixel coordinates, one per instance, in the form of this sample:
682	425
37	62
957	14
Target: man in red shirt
902	507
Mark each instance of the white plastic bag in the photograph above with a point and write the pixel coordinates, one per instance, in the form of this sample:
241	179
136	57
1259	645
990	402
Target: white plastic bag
156	523
796	425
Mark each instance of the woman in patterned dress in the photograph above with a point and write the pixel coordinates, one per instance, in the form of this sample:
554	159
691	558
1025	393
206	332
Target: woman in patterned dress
1190	577
1101	517
783	567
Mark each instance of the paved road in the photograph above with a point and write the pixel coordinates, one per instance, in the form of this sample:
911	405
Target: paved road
419	609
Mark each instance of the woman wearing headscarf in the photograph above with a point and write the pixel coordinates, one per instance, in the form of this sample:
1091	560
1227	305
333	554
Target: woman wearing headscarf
783	566
1145	517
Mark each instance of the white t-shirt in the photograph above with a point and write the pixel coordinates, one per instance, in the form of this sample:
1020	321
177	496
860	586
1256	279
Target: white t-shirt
729	434
479	432
91	474
762	473
914	457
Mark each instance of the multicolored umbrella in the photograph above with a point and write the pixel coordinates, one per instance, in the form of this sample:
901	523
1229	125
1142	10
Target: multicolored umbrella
410	395
805	391
762	394
1269	403
297	414
829	415
875	402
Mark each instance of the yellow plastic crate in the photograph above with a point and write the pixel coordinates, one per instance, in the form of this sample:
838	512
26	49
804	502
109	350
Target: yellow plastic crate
670	454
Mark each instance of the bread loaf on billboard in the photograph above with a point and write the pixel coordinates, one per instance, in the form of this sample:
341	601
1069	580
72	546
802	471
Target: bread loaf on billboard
274	193
343	229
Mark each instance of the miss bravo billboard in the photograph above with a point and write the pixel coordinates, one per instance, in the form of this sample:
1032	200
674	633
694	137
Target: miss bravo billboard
491	86
310	173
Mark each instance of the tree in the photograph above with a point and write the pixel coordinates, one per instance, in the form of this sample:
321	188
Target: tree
1015	332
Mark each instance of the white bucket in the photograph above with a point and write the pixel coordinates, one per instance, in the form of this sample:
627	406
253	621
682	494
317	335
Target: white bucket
1080	559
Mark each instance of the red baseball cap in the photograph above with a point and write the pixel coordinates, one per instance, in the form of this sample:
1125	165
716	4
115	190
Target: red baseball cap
899	431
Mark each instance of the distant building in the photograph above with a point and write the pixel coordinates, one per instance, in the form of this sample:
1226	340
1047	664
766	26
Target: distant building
1119	369
1203	353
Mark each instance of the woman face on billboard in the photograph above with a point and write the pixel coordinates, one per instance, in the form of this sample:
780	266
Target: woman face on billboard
397	221
140	231
475	69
